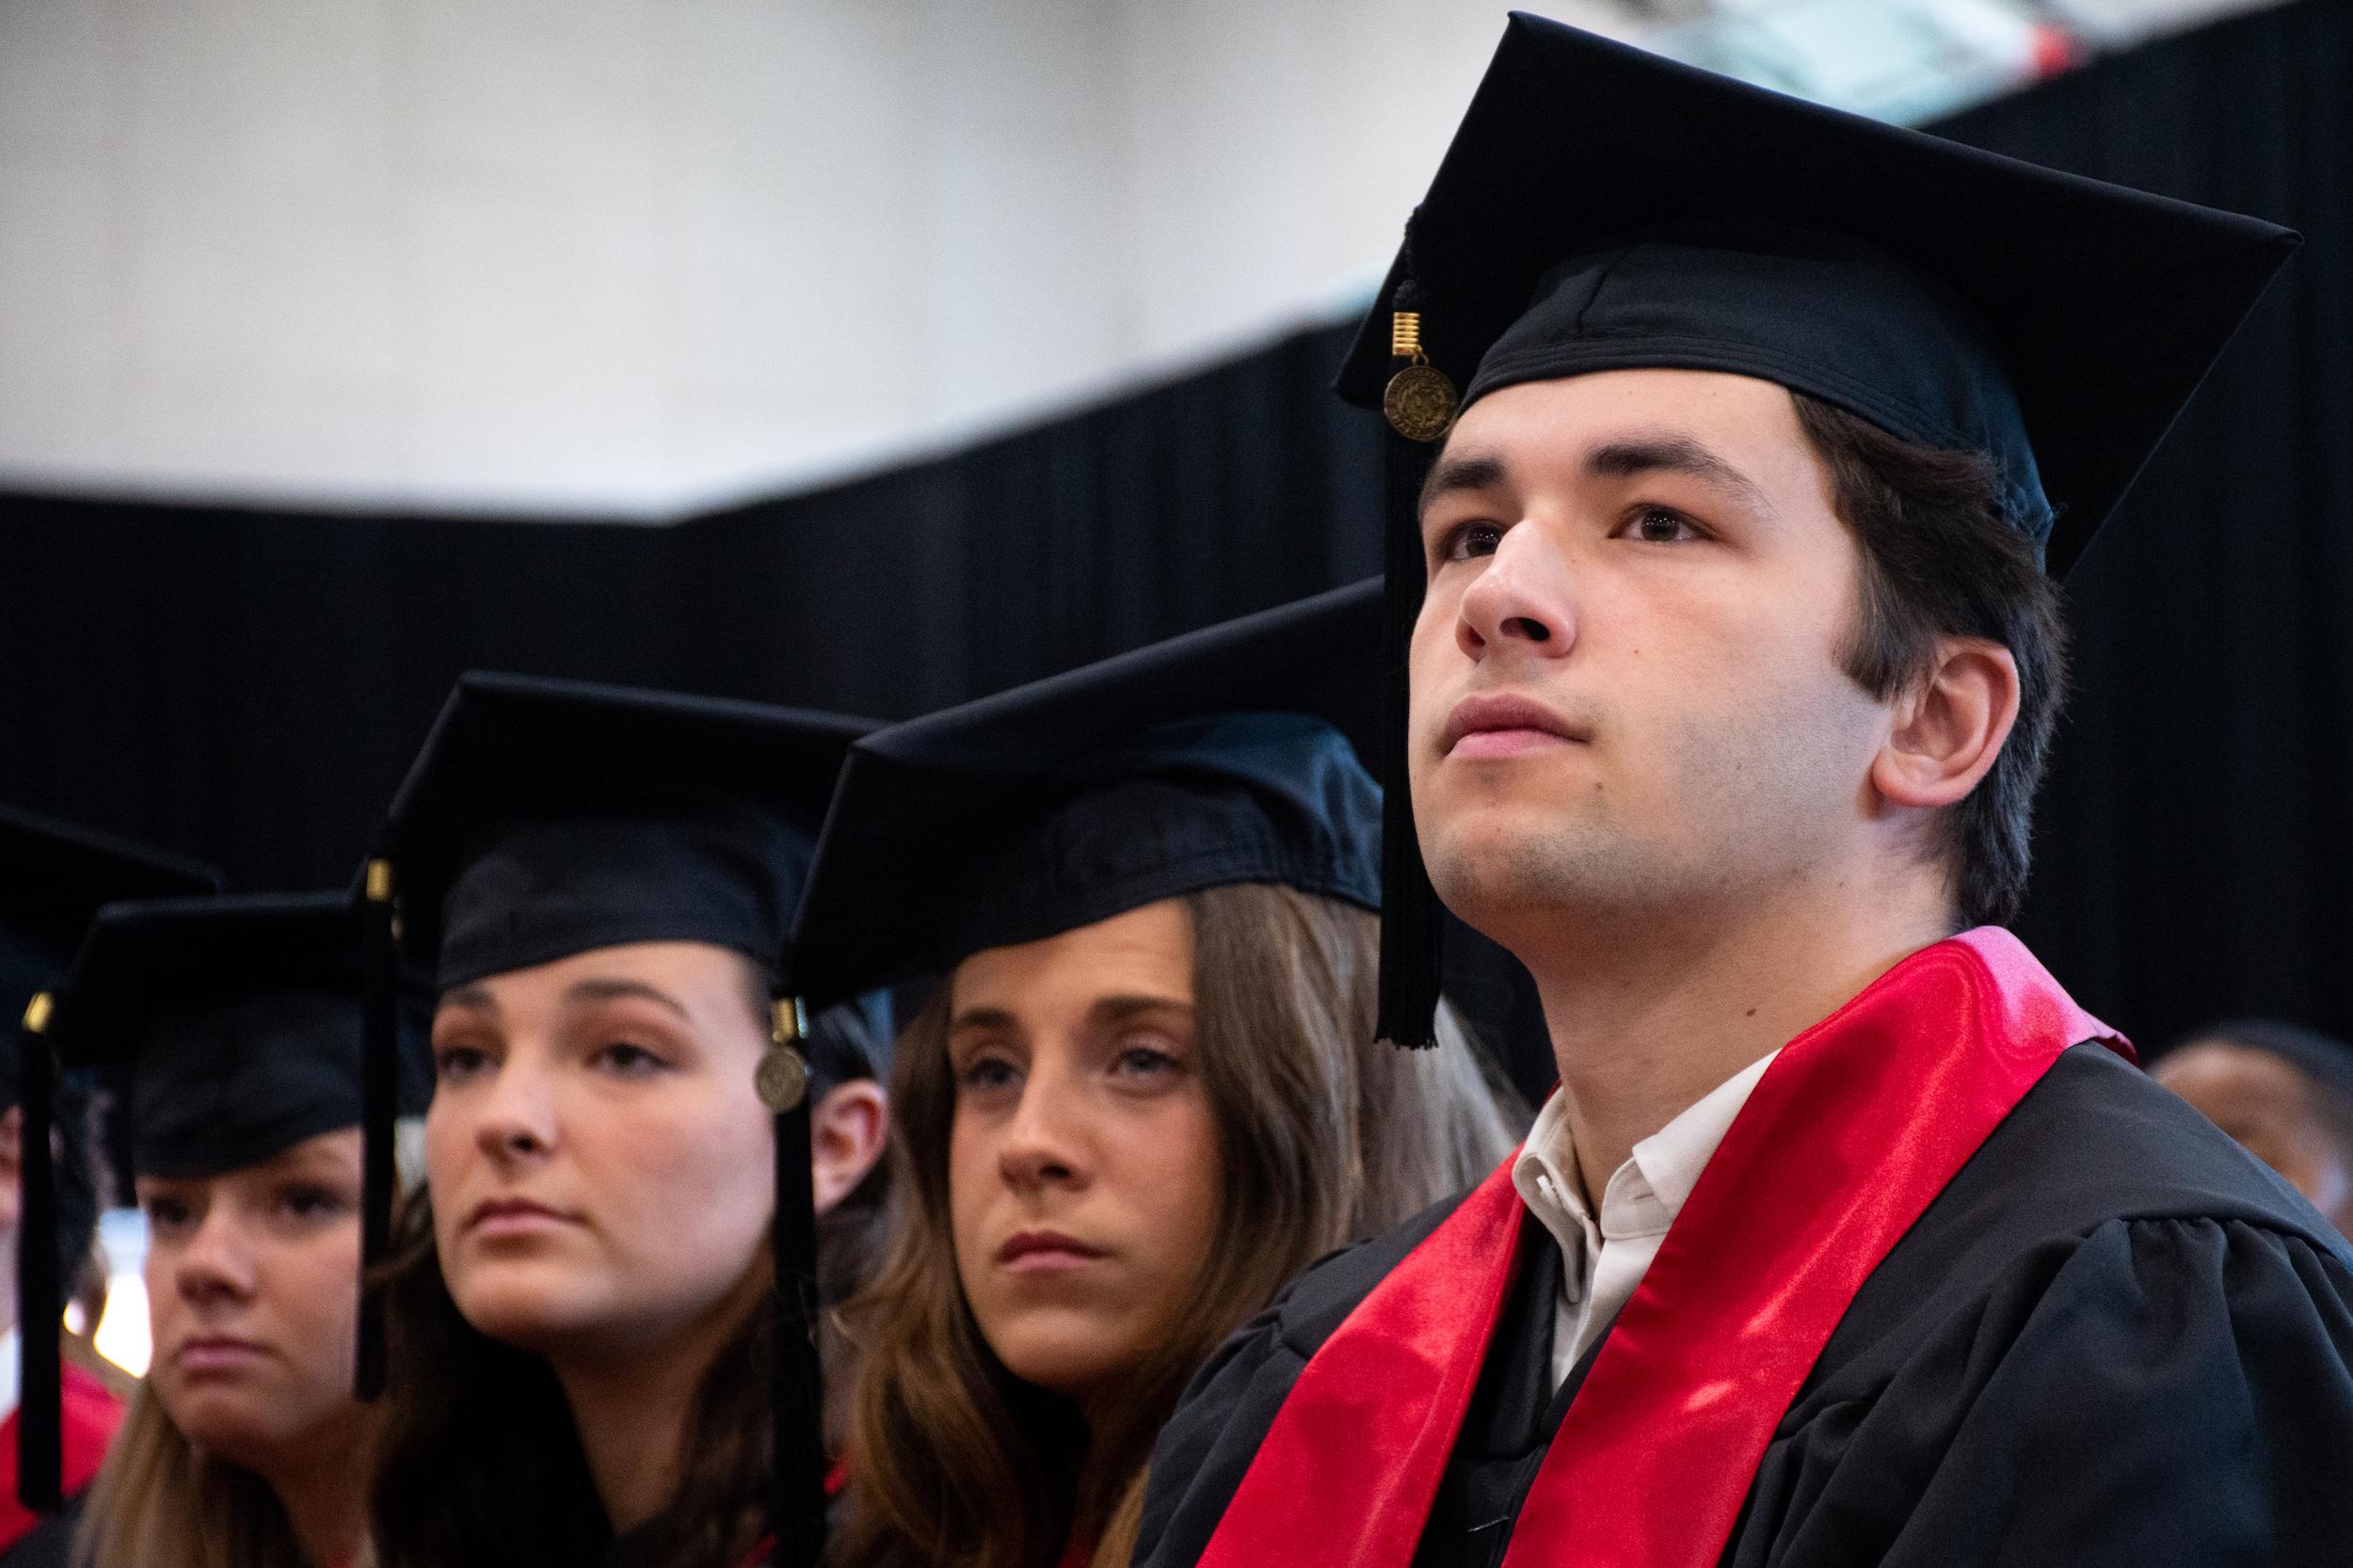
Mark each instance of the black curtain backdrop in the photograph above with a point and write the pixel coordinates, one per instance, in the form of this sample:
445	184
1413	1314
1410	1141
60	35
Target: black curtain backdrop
247	685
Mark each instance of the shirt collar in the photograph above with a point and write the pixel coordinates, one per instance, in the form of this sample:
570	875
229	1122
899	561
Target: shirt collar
9	1390
1673	1157
1545	1175
1644	1194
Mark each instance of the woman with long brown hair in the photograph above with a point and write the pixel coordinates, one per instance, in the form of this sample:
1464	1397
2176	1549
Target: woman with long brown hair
1147	1091
588	1319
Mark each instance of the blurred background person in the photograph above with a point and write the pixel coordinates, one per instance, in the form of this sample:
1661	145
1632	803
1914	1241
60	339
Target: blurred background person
2284	1093
1147	1092
53	879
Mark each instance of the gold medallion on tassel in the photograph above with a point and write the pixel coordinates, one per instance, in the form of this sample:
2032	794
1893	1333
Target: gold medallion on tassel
782	1076
1420	401
782	1079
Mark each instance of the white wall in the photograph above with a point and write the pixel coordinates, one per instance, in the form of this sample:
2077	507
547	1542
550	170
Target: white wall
633	255
626	257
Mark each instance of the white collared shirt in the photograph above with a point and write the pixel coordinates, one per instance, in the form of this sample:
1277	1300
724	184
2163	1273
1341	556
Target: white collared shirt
9	1392
1604	1260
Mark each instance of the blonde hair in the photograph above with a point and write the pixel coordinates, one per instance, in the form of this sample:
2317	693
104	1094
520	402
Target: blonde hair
159	1498
1325	1136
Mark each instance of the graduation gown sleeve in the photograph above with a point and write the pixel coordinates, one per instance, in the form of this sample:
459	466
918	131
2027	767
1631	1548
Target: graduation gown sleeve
1202	1451
47	1544
2156	1391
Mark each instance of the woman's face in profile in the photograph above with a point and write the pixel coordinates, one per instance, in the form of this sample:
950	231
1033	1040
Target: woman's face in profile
599	1159
253	1300
2269	1109
1083	1170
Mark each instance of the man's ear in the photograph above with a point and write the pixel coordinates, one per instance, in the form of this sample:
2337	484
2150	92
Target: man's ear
1949	730
846	1131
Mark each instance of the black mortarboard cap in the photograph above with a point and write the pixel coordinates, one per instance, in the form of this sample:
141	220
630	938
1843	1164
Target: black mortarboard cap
1603	208
53	878
548	817
1221	757
231	1026
545	818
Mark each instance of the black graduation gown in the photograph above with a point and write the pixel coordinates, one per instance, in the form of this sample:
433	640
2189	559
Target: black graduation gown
2113	1339
635	1550
49	1544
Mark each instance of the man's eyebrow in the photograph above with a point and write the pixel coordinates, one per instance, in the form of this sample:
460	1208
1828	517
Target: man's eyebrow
1669	453
619	990
1475	471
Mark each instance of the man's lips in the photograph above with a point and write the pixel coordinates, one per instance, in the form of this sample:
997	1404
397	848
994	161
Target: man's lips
1499	723
216	1353
513	1216
1029	1252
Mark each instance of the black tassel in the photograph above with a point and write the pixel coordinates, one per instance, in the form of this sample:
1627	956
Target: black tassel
40	1306
380	1110
797	1478
1409	907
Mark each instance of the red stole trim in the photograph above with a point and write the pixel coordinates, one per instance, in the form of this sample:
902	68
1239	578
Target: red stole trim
1848	1137
88	1415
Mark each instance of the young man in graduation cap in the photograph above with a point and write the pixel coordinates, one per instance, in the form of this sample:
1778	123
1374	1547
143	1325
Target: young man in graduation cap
1732	654
53	878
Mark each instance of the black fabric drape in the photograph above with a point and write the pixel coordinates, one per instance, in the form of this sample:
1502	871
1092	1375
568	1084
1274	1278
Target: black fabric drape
247	685
254	682
2194	857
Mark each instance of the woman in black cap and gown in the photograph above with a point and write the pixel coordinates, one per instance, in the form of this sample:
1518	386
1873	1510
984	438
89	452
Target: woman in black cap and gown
231	1028
600	1329
1146	1091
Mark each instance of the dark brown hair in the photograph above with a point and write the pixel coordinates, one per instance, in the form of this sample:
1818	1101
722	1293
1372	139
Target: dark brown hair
481	1466
1942	558
1325	1134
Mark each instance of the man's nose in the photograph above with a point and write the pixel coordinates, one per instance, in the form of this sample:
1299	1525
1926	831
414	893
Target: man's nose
1522	598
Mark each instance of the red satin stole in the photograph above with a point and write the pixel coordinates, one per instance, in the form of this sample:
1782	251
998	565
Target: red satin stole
1848	1137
